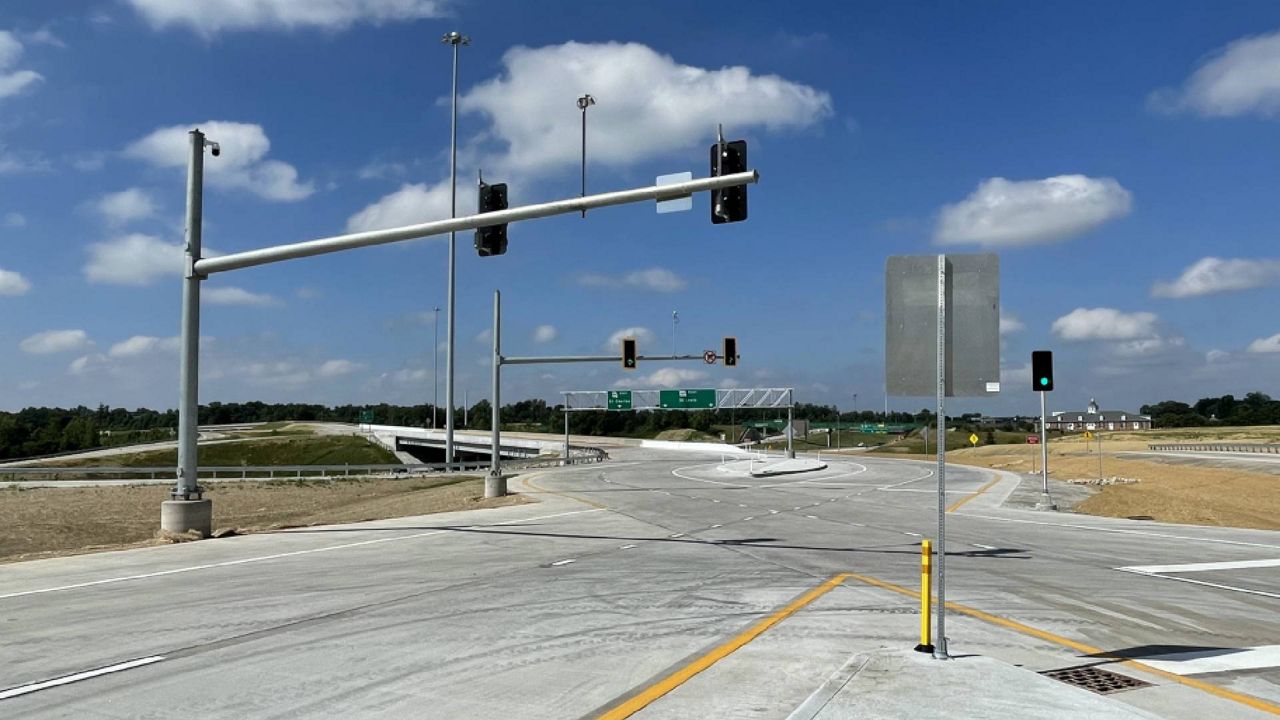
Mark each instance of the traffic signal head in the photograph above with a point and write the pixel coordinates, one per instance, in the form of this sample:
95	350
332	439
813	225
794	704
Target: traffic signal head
1041	370
729	204
730	353
629	353
492	240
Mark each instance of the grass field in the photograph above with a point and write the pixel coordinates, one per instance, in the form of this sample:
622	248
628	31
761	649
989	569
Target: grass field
302	450
39	523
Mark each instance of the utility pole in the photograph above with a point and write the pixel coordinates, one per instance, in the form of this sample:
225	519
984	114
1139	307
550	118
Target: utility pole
675	318
585	102
455	39
435	369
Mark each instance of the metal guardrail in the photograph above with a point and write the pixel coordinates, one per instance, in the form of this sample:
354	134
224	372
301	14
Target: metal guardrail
1218	447
578	455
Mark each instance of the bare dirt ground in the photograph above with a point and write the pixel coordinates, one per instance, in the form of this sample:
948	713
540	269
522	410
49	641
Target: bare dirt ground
50	522
1166	492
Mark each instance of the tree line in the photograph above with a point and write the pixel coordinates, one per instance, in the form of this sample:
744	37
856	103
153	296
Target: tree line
45	431
1255	408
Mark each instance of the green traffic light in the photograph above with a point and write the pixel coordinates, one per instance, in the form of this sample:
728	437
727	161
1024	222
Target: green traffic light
1044	381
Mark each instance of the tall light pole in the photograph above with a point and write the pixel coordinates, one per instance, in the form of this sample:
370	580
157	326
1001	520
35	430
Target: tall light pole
585	102
435	369
675	318
455	39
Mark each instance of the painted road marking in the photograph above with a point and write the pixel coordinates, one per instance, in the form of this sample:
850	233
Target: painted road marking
749	518
1216	660
558	563
1249	700
912	534
812	517
676	535
981	490
1202	567
982	547
77	677
628	547
647	695
1123	531
1206	583
716	526
277	556
773	512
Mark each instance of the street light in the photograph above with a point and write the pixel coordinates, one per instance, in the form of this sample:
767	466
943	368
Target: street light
584	102
435	371
675	318
454	39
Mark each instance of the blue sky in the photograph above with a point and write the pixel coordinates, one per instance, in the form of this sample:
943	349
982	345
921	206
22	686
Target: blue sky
1120	157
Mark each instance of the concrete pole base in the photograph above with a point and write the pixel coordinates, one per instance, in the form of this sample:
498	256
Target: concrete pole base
182	516
495	486
1046	503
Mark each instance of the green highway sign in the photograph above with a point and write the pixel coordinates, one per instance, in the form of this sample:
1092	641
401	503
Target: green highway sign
619	399
687	399
366	416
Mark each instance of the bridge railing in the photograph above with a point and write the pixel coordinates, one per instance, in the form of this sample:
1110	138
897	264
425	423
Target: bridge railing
1267	448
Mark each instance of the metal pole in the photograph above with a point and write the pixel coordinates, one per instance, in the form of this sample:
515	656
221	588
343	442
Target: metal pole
455	39
435	372
189	408
675	318
791	450
566	436
369	238
494	485
466	407
838	423
1099	435
584	102
1046	502
940	647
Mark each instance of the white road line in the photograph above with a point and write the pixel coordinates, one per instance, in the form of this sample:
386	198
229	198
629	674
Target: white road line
558	563
715	501
277	556
1203	567
716	526
749	518
676	535
981	546
913	535
77	677
742	506
1120	531
1219	660
812	517
773	512
796	507
1219	586
627	547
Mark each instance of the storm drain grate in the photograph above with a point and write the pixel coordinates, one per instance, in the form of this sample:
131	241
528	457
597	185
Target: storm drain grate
1095	679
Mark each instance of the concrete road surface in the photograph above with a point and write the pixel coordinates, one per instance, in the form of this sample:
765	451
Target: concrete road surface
655	587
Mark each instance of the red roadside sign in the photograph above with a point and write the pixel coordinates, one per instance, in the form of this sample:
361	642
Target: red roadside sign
1033	439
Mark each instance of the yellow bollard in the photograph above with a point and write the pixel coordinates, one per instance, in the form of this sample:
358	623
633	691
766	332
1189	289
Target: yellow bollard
926	596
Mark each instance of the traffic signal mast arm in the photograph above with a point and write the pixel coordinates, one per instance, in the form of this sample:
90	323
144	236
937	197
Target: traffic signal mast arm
591	358
204	267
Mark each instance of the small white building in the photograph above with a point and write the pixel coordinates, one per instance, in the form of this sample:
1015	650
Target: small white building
1095	419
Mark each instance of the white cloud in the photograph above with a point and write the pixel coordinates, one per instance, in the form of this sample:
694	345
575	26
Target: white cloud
12	283
125	206
730	384
85	363
382	170
1242	77
644	336
139	345
55	341
209	17
410	205
484	336
1105	324
654	279
1148	346
1219	356
14	220
133	259
665	378
1009	323
647	104
236	296
1211	275
240	166
1266	345
1012	213
13	81
408	376
336	368
545	334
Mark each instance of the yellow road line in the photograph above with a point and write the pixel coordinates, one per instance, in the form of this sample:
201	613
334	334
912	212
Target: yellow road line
1248	700
529	481
967	498
646	696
